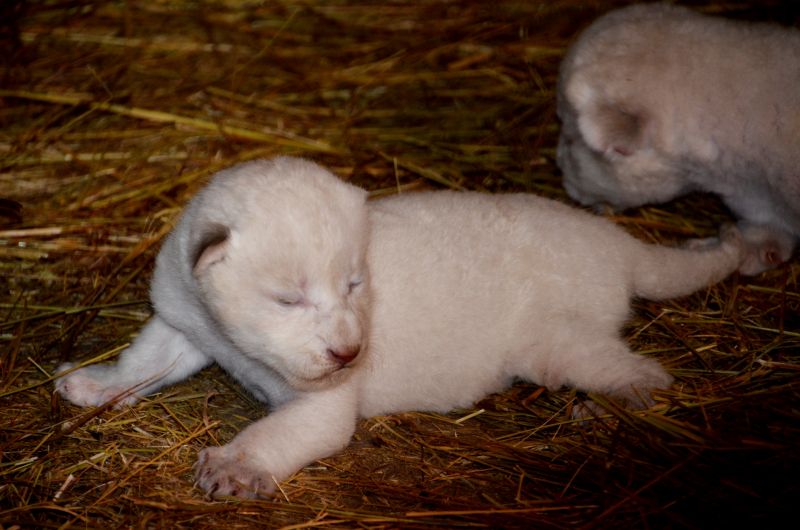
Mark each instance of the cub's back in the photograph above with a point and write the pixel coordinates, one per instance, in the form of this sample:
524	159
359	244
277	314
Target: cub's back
462	283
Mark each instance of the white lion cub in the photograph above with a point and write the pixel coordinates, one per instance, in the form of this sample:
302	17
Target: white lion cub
331	309
657	101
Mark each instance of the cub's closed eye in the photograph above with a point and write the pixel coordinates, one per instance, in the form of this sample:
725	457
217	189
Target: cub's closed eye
288	301
353	285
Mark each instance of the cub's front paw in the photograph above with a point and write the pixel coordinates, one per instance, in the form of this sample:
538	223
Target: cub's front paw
86	387
225	472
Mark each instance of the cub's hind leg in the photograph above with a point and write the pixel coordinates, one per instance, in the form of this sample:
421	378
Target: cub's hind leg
603	365
160	356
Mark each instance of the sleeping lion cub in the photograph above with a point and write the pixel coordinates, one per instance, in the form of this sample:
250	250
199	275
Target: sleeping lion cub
329	308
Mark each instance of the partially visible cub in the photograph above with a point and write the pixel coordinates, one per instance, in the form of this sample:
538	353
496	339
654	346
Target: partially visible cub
657	101
330	309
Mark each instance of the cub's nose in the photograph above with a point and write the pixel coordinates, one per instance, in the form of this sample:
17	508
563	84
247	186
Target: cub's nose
345	355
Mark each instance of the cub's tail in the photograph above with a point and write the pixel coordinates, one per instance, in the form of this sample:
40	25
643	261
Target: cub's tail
667	272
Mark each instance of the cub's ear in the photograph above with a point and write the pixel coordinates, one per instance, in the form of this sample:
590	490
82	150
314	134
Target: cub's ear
209	246
613	130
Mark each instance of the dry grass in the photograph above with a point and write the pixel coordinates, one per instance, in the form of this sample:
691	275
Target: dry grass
113	114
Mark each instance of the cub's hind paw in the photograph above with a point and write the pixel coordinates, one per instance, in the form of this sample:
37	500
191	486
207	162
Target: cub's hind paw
629	384
585	410
84	387
766	248
635	400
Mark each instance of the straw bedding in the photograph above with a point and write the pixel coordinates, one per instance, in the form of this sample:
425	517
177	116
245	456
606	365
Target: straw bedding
112	114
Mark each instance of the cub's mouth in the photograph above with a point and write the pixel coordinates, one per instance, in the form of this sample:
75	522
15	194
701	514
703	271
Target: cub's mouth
327	376
326	380
331	373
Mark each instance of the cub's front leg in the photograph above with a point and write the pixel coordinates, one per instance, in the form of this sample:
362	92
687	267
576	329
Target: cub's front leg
313	426
160	356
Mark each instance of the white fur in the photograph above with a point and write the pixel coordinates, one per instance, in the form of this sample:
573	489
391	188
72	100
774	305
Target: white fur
657	101
278	269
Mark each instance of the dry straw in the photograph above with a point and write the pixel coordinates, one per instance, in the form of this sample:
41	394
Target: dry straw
113	113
